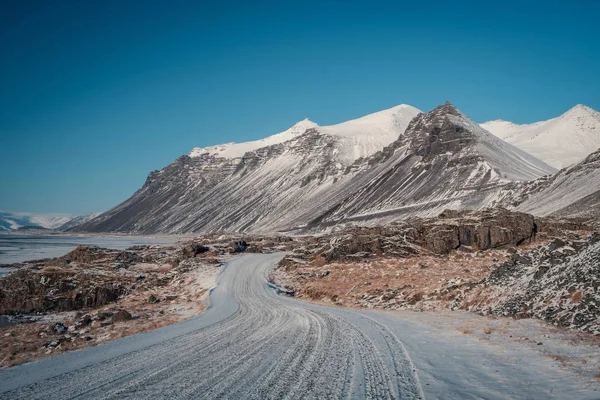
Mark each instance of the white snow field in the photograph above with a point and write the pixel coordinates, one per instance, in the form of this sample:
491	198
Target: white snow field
252	343
356	138
560	141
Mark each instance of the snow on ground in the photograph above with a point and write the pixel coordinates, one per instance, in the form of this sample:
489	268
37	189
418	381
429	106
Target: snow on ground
499	345
263	345
559	141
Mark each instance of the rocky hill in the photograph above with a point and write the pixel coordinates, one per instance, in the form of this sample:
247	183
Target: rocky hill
490	262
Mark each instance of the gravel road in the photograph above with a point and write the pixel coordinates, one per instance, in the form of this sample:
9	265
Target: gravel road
252	343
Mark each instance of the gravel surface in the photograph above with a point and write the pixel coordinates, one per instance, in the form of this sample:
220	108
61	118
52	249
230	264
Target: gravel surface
253	343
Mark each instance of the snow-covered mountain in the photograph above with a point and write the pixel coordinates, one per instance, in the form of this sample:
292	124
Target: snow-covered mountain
326	175
560	141
573	191
76	221
14	220
356	138
443	160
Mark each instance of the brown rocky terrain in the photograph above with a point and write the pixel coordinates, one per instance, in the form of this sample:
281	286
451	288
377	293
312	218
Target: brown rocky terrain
92	295
493	262
489	262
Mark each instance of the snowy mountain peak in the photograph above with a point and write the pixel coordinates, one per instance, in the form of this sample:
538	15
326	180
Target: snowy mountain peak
237	150
581	111
560	141
356	138
446	132
301	126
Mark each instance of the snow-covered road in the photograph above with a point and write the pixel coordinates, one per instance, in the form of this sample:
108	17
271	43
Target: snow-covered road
253	343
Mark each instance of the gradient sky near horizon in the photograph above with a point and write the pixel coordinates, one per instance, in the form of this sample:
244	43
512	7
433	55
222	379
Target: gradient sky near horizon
96	94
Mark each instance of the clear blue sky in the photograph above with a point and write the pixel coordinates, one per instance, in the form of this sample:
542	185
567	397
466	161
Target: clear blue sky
96	94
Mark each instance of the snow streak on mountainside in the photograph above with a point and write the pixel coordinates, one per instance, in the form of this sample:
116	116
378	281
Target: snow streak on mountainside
560	141
357	138
573	191
312	181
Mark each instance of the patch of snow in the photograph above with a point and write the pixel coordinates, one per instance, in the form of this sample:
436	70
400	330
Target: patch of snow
12	224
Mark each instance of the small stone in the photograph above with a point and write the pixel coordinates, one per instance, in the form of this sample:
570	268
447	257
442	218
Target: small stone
121	315
102	315
60	328
86	320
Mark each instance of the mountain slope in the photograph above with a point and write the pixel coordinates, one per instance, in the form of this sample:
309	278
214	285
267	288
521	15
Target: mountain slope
440	161
443	160
573	191
256	185
76	221
560	141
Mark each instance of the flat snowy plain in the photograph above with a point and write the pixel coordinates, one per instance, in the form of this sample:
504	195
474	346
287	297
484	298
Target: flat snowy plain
253	343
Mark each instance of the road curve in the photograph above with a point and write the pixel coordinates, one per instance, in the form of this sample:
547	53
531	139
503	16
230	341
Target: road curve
254	344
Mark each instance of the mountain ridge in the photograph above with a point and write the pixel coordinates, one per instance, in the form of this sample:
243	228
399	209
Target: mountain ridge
561	141
292	184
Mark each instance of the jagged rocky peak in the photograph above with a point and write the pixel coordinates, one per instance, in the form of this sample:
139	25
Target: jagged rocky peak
444	129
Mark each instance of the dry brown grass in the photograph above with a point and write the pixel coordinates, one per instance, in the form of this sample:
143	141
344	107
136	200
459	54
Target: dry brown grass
561	358
487	329
418	281
466	328
576	296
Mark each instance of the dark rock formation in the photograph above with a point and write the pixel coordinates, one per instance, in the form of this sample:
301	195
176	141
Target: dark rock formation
479	230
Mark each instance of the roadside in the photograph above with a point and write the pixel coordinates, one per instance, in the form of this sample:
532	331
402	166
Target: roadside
93	295
522	280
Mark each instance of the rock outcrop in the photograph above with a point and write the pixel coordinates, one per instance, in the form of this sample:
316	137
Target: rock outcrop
475	231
